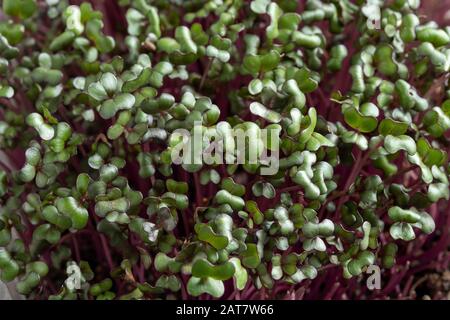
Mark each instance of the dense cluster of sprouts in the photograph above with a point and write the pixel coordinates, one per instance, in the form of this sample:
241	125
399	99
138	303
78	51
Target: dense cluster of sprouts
92	204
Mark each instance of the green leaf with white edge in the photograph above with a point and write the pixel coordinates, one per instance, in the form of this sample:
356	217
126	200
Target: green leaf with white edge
264	189
398	214
97	91
71	208
305	81
197	286
225	197
240	274
207	234
6	92
403	231
437	191
426	223
255	87
259	6
358	121
183	36
426	173
109	82
393	144
275	12
305	135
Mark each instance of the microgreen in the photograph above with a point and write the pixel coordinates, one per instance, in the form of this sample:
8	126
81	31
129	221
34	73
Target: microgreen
349	99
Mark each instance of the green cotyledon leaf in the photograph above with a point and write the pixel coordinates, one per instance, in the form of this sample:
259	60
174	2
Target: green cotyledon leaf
207	234
240	274
430	156
356	120
392	127
71	208
197	286
202	268
250	257
19	8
